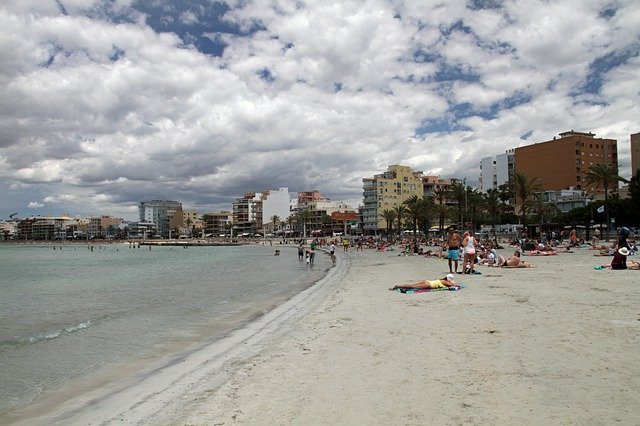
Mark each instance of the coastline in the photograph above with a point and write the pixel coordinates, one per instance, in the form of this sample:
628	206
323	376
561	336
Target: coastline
552	344
166	386
555	344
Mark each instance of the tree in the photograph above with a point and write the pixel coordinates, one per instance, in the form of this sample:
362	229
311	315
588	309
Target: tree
604	175
275	219
474	202
440	196
426	213
413	208
492	204
524	188
389	216
634	193
304	216
458	193
291	219
401	211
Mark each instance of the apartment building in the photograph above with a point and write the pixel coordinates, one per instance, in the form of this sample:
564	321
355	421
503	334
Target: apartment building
159	212
496	170
385	191
217	224
563	163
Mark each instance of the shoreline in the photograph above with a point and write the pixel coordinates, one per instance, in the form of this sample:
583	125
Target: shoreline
553	344
161	388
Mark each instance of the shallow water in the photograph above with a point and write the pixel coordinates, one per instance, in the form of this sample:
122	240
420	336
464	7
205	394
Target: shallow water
72	313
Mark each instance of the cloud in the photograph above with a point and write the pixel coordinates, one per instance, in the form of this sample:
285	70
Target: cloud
106	104
34	205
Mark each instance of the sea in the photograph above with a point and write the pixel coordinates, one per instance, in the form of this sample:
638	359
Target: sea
78	313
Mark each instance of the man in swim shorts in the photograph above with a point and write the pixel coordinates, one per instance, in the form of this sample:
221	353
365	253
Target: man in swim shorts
453	244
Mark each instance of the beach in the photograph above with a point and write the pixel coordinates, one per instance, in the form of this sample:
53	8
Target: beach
554	344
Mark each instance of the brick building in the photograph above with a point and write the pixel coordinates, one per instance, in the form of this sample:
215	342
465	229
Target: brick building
563	163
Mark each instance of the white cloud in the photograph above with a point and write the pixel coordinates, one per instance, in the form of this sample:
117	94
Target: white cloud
34	205
105	115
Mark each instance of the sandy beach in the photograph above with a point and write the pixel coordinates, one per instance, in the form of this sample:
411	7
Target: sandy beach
555	344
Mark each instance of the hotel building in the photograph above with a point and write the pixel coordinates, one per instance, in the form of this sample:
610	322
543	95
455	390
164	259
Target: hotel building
496	171
385	191
563	163
159	212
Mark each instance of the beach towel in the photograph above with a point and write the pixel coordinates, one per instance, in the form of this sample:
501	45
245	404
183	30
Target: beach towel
426	290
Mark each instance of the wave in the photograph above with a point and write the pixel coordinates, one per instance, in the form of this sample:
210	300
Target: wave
42	337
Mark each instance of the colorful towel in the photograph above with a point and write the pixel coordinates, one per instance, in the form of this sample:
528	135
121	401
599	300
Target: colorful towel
426	290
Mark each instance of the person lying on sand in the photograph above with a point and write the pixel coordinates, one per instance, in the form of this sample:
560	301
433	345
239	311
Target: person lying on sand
447	281
515	262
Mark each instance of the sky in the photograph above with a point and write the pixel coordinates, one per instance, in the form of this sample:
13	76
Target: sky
108	103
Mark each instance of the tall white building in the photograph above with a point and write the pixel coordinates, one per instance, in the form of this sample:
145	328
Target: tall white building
157	212
275	202
495	171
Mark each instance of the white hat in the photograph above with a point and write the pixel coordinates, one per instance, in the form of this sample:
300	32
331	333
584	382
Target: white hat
450	277
624	251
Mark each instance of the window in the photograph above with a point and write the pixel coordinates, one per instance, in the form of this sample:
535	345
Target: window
577	169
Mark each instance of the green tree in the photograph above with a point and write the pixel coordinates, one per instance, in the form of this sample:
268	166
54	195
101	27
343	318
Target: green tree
291	219
458	192
604	175
492	205
275	220
389	216
401	211
413	209
426	213
524	188
304	217
440	209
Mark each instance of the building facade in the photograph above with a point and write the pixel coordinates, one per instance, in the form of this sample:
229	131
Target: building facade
217	224
563	163
159	212
496	170
386	191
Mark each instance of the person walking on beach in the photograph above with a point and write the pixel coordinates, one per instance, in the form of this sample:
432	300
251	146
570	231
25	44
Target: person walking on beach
453	244
469	246
301	251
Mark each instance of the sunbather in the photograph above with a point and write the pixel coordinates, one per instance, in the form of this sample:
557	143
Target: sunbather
446	282
515	262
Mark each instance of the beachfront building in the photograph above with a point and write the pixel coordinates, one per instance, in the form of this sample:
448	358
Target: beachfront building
326	217
254	211
563	163
103	226
159	212
496	170
217	224
566	200
385	191
635	153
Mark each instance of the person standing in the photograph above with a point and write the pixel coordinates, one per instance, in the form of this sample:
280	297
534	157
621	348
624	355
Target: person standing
469	247
301	251
453	245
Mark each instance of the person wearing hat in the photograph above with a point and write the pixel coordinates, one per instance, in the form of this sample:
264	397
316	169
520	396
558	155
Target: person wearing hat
619	260
445	282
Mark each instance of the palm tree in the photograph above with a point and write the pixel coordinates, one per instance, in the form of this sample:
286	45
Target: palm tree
458	193
492	204
413	209
291	220
603	174
304	216
473	201
389	216
401	211
275	219
524	189
426	213
440	196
